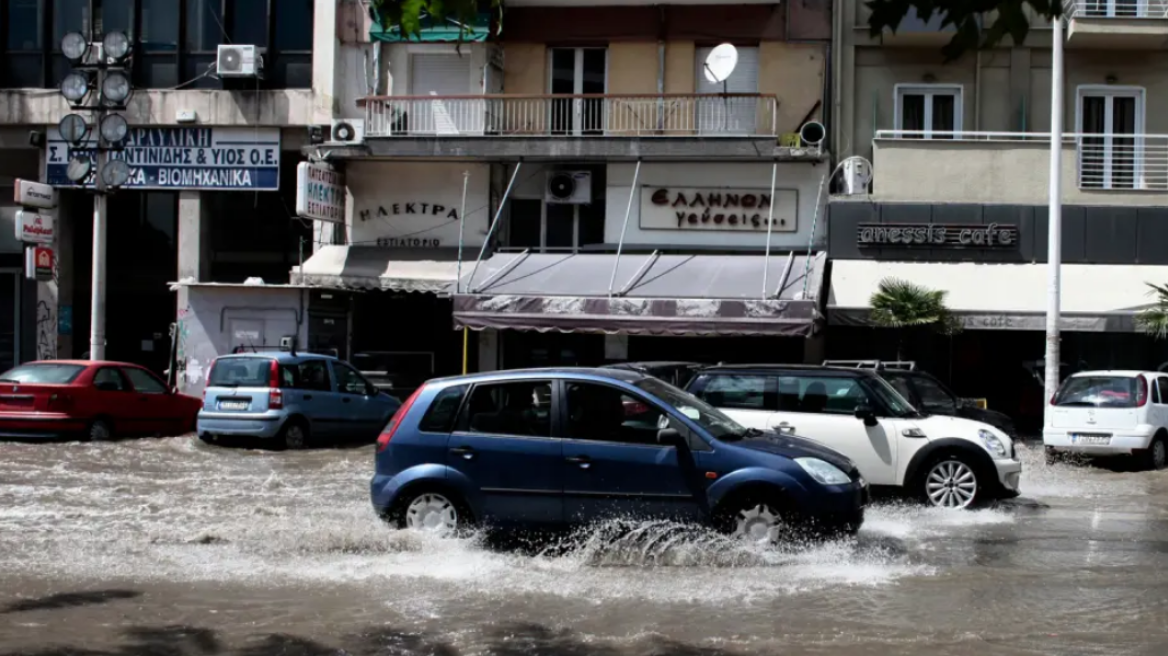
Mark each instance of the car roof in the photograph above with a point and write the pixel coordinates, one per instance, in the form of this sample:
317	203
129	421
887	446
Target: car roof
648	364
595	373
278	356
768	368
1129	373
81	363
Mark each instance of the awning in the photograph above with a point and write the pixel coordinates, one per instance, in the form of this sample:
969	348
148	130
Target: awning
433	31
368	267
1095	297
651	294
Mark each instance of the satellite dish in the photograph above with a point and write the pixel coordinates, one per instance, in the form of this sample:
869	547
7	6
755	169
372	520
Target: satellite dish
720	63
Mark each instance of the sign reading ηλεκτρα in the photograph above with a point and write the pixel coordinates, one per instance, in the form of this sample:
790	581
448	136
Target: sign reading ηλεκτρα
320	192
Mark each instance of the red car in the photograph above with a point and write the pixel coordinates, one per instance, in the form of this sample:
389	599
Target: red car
91	400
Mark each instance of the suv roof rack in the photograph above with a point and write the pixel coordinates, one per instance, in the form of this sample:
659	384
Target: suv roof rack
906	365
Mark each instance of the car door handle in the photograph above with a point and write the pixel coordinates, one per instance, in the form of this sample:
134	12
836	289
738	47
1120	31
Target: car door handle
583	461
466	452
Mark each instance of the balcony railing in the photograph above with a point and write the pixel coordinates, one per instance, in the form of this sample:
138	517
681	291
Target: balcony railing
1121	162
588	115
1121	9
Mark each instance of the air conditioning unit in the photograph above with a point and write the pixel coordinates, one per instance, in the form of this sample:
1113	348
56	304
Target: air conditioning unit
348	131
238	61
568	188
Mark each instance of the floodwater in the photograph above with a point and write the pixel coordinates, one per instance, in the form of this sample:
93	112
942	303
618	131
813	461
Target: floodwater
173	548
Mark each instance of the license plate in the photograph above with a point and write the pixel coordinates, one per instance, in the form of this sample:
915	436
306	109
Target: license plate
233	405
1090	440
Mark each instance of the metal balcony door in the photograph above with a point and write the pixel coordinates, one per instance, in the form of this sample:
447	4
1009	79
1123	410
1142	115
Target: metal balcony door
1111	152
443	75
729	115
577	71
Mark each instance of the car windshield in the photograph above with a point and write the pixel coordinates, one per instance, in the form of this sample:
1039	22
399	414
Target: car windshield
43	374
932	396
240	372
718	425
1099	392
896	404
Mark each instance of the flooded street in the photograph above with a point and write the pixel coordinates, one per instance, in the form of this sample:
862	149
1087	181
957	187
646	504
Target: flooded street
172	547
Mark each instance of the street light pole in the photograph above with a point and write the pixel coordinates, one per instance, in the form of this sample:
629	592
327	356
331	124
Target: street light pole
1054	254
97	284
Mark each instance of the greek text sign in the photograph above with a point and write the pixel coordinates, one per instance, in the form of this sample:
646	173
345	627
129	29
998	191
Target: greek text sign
710	208
34	194
320	192
936	235
183	158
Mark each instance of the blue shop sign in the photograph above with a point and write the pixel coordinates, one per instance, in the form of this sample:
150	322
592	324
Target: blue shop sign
183	158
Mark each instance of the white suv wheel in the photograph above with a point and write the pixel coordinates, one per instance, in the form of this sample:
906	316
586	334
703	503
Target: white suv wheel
951	484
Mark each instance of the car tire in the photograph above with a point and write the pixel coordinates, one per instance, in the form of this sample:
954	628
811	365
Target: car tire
294	435
433	511
99	431
1053	457
758	518
1156	457
952	481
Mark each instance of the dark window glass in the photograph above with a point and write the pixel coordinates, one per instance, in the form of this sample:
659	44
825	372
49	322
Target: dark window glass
205	26
522	409
249	21
289	376
606	414
314	375
24	24
825	395
240	372
934	398
440	416
590	228
293	29
114	16
561	223
912	114
69	16
1100	392
944	115
144	382
109	379
159	26
526	219
348	380
740	392
49	374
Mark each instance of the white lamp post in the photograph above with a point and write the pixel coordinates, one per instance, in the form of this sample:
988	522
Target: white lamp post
1055	224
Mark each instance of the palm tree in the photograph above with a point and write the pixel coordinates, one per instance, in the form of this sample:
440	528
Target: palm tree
1153	320
906	306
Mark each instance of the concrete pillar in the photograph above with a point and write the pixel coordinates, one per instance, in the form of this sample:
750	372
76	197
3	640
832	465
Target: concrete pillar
47	293
64	273
325	59
194	265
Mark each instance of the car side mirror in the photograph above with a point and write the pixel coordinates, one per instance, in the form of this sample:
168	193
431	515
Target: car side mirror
864	413
670	437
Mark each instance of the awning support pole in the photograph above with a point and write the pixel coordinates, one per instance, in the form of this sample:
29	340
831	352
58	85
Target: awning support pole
461	232
503	270
465	347
640	273
628	210
766	263
811	239
786	275
495	222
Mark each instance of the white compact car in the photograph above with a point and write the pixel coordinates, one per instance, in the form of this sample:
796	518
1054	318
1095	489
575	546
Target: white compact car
1107	413
946	461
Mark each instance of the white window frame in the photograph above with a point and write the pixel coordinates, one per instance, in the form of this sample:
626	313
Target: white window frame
1111	91
928	90
578	85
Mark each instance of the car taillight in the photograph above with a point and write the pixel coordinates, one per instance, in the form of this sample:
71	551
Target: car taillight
275	394
387	433
1141	391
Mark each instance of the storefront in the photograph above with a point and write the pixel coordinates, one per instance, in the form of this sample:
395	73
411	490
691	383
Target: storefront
990	261
28	327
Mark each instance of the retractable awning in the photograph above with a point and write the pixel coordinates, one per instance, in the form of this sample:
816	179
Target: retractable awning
651	294
1095	297
369	267
433	30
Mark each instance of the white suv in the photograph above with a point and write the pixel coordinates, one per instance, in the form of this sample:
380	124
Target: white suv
946	461
1104	413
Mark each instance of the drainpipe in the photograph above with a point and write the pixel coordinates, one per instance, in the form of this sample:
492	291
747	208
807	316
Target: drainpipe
836	50
660	86
977	92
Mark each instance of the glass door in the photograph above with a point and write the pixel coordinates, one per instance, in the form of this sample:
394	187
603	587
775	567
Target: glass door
10	319
578	72
1110	150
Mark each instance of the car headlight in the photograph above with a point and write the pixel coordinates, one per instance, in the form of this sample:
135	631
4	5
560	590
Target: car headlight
992	443
823	472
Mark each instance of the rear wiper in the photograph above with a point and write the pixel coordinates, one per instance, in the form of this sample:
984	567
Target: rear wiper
1077	404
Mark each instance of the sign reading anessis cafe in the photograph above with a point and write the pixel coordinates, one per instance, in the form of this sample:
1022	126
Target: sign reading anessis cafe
709	208
935	235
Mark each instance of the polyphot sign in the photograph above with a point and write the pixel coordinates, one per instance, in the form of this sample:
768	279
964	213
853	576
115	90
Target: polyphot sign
182	158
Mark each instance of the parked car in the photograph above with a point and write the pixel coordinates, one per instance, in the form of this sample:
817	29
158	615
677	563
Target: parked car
553	447
677	374
946	461
1108	413
91	400
925	392
291	398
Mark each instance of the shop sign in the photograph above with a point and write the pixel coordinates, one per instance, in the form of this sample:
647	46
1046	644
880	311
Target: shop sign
183	158
38	263
430	209
33	228
718	209
34	194
936	235
320	192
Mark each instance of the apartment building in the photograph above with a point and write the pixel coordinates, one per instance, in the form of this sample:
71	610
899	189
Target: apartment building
959	194
608	201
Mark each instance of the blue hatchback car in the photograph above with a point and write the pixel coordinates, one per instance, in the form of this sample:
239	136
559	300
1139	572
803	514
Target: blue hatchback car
542	448
291	398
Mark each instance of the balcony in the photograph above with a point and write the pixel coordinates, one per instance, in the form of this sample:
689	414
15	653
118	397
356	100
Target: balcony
1117	24
591	126
1012	167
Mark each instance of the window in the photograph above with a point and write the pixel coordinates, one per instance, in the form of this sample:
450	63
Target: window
49	374
824	395
558	228
925	109
441	75
348	380
1160	393
175	41
1110	120
240	372
314	375
520	409
577	71
108	379
900	384
440	416
144	382
1100	392
741	392
727	114
933	397
1115	8
606	414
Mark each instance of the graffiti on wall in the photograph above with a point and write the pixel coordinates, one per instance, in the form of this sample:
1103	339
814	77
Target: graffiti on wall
46	331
